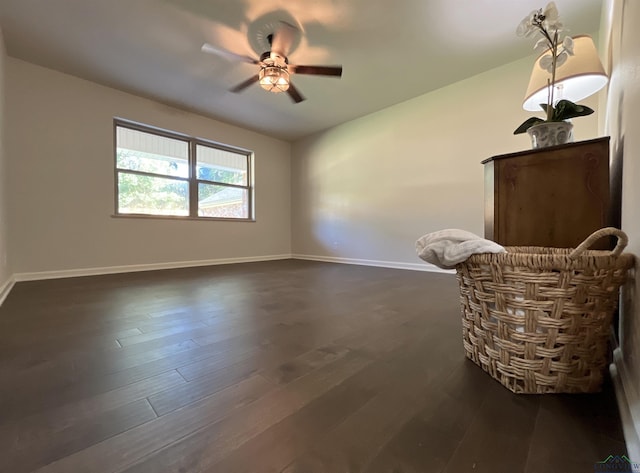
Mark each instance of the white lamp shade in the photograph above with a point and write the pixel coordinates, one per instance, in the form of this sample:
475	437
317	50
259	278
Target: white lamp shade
579	77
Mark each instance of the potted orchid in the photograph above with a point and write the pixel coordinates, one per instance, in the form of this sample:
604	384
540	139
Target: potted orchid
545	24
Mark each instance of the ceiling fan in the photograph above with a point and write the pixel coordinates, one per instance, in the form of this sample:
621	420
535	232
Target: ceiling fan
275	69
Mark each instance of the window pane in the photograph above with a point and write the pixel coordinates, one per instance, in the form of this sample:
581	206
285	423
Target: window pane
221	201
146	152
221	166
152	195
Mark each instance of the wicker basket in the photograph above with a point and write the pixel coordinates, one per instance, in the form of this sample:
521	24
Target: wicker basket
537	319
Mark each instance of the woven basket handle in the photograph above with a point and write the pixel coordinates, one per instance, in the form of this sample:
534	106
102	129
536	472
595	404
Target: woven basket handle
591	239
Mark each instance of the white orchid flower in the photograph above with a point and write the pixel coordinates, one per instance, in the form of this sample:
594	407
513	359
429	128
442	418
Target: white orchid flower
567	45
546	62
551	17
561	58
542	45
526	28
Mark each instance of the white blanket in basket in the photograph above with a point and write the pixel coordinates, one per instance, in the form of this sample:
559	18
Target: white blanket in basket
446	248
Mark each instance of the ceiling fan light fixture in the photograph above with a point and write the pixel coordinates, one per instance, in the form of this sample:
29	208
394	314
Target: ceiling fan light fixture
274	79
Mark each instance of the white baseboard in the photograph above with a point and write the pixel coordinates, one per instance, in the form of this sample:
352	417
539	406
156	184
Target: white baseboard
72	273
96	271
6	288
382	264
628	404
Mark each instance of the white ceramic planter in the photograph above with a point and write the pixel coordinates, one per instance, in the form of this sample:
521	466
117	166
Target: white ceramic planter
550	134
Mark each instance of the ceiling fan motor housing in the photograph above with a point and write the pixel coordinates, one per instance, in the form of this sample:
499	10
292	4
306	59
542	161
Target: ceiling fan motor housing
271	58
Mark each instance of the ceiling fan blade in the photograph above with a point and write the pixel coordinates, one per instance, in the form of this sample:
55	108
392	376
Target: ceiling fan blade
283	38
294	93
243	85
335	71
228	55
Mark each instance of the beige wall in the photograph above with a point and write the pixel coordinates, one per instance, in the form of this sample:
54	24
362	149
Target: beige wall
622	122
369	188
5	270
60	152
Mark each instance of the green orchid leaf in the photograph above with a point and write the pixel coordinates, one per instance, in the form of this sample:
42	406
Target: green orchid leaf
544	107
566	109
560	110
527	124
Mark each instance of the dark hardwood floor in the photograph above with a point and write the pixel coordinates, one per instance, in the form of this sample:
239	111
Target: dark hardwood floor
286	366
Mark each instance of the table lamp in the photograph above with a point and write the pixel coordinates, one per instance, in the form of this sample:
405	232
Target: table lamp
579	77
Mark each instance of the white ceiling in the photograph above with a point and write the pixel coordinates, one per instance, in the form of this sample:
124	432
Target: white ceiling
390	51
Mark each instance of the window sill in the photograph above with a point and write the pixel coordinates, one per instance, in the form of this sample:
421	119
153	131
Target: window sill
177	217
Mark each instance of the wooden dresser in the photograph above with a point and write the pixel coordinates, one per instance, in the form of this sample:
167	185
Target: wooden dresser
553	196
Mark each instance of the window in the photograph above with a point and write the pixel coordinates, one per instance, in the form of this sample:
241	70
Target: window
167	174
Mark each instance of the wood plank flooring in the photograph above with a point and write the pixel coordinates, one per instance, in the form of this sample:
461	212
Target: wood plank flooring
280	367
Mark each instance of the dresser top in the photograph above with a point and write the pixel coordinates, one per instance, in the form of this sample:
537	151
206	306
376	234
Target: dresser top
529	152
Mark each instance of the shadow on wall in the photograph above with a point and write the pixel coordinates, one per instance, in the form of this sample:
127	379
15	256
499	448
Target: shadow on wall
628	331
615	174
382	220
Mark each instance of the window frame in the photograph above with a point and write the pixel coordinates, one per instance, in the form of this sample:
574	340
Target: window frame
192	179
